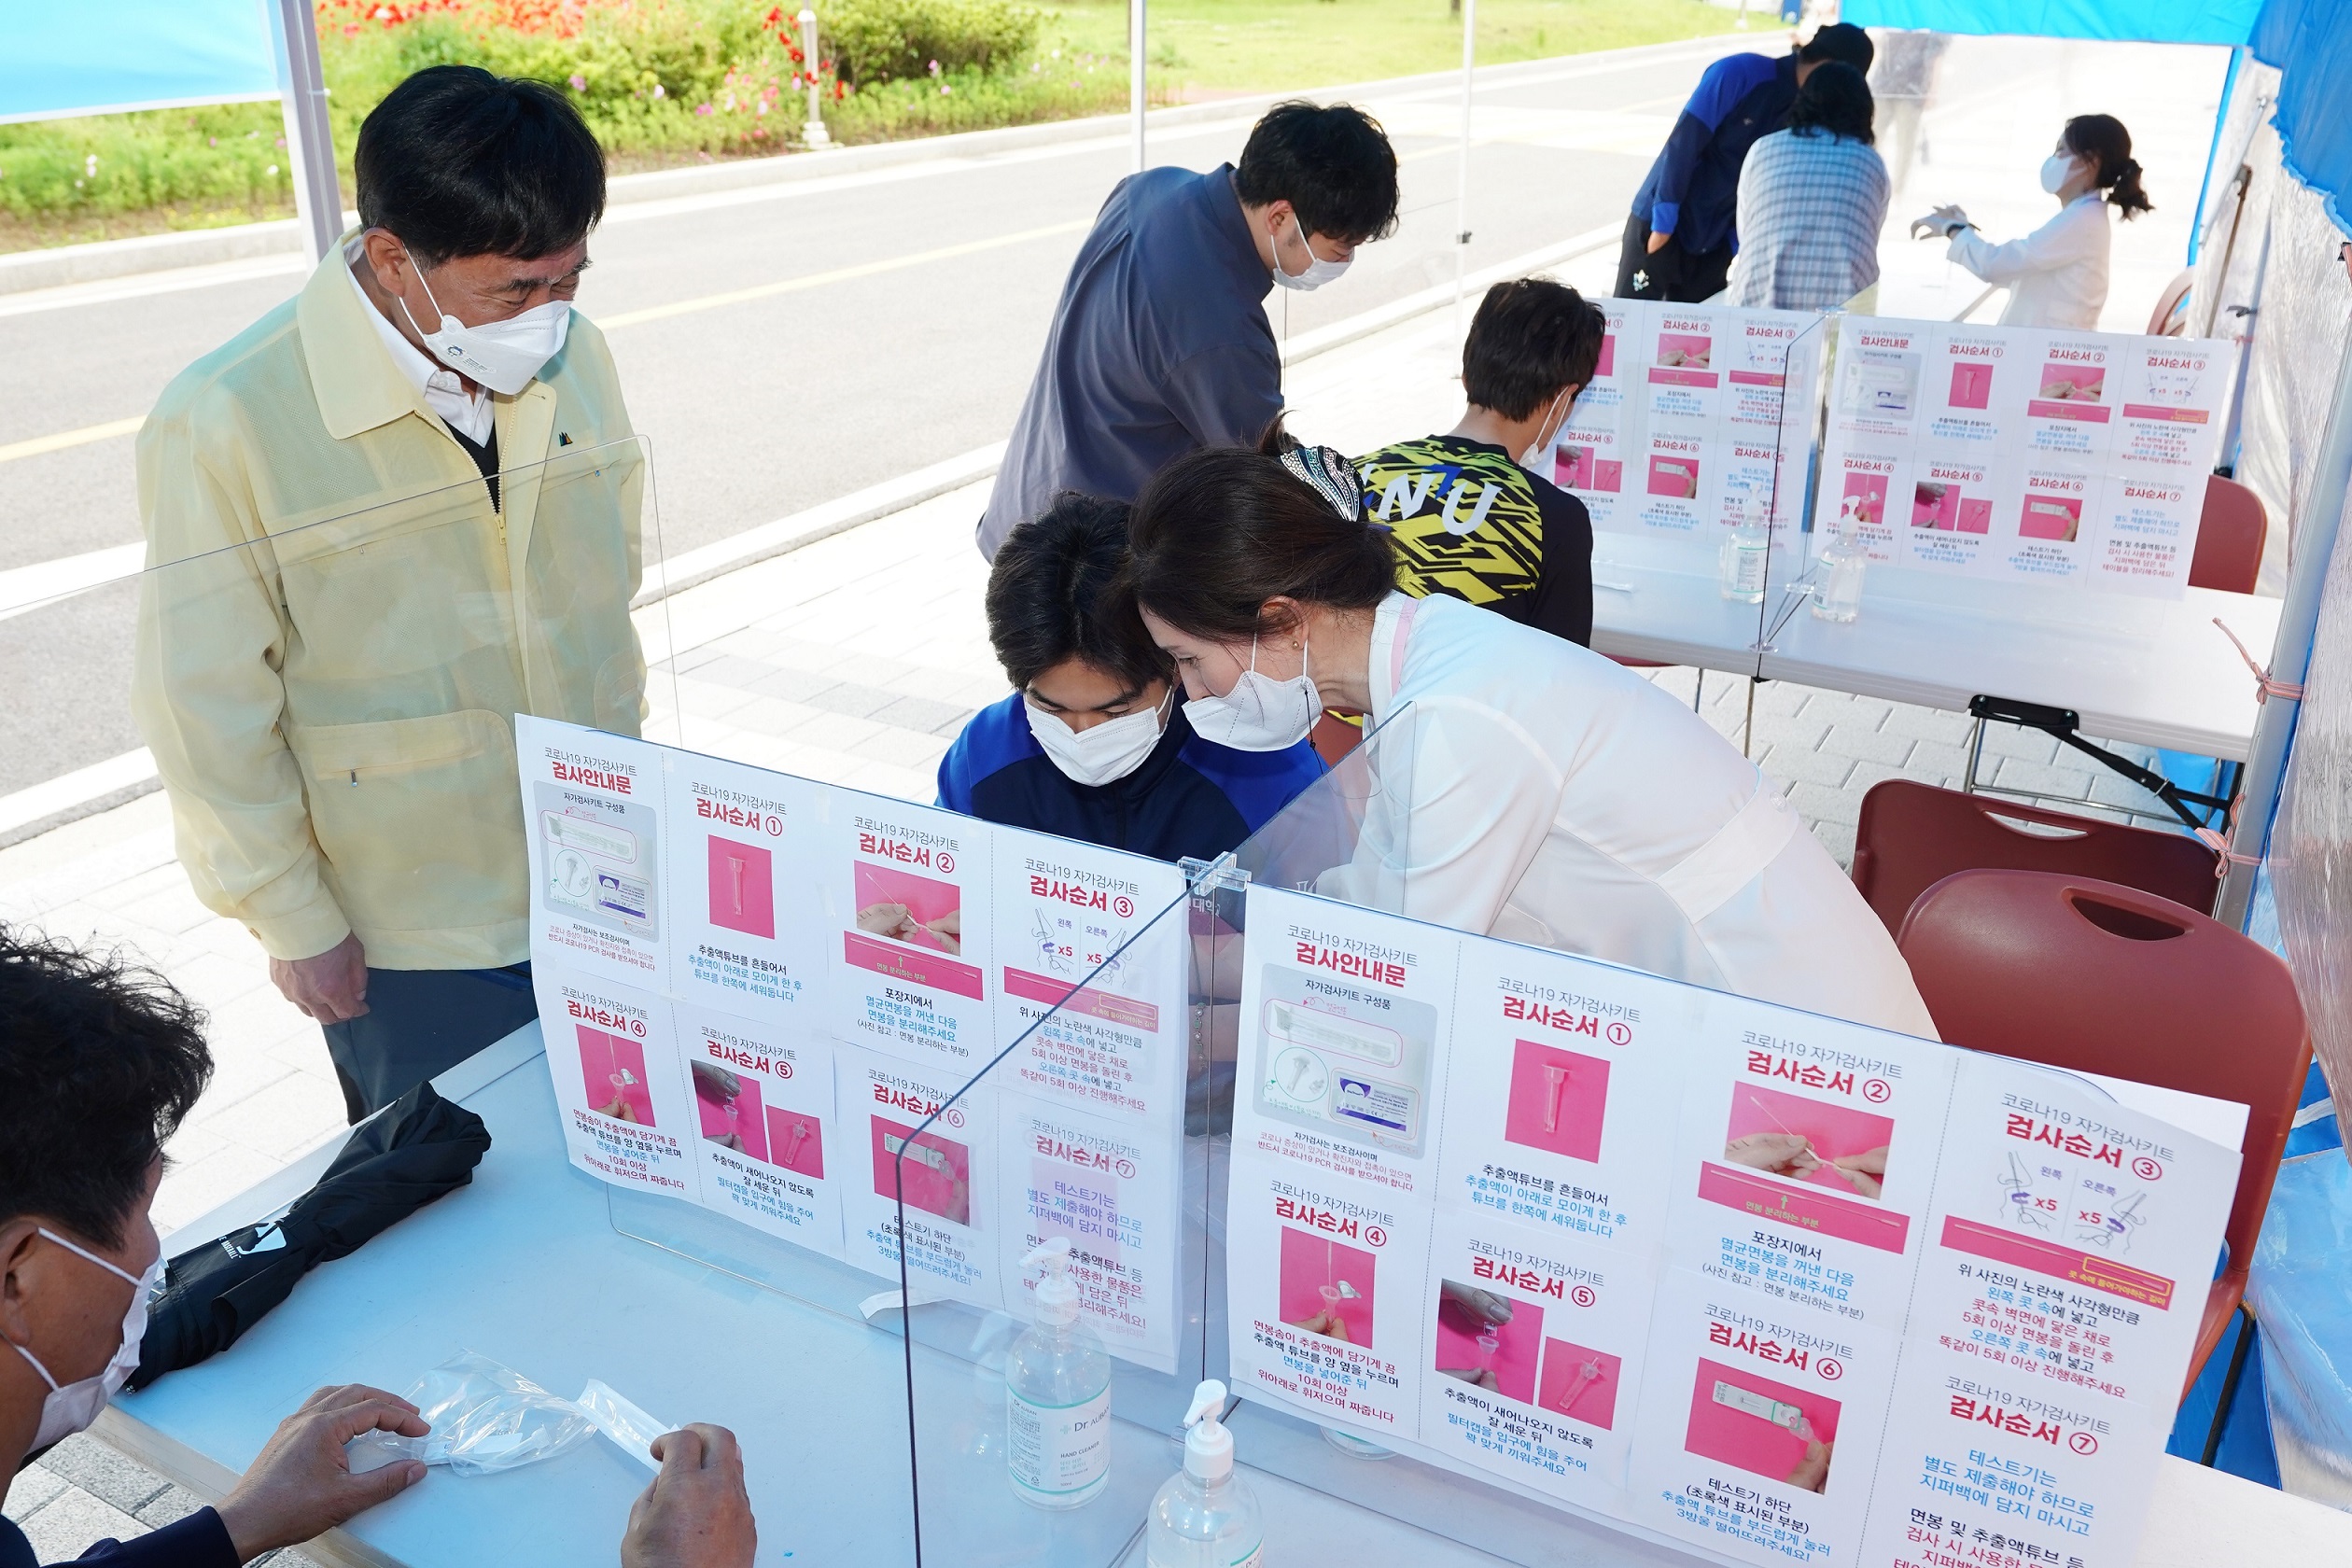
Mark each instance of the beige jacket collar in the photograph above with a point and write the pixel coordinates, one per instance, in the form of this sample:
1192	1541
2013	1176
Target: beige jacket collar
357	385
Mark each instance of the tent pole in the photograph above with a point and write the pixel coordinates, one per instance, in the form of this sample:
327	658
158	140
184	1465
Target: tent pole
1462	170
310	139
2314	545
1136	85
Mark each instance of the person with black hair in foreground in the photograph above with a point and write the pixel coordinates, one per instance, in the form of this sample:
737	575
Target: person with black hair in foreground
1160	345
1813	199
1539	793
327	667
2057	275
1092	743
1474	513
99	1063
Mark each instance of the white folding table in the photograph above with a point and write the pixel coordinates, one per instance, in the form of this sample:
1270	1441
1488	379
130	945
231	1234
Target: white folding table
525	1266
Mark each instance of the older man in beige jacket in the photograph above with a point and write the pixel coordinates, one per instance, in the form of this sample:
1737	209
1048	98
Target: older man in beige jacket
392	514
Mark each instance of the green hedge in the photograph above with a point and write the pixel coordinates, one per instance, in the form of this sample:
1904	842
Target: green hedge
892	40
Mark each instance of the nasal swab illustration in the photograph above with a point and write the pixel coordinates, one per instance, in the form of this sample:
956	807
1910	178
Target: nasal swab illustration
2020	1183
1555	1077
1790	1418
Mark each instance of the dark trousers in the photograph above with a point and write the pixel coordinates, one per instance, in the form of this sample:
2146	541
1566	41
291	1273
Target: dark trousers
1671	274
419	1024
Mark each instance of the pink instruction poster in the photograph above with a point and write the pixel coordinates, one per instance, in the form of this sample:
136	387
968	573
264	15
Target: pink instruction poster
628	1117
1343	1024
1593	454
744	841
1112	1191
592	807
911	1132
2073	460
1324	1284
1535	1354
1682	382
1757	1429
1559	1088
1090	947
909	931
1807	1148
763	1104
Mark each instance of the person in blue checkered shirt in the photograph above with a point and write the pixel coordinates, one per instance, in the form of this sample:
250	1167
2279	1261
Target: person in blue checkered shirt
1812	201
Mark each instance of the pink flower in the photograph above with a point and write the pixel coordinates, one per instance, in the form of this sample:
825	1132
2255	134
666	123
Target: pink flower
579	82
702	108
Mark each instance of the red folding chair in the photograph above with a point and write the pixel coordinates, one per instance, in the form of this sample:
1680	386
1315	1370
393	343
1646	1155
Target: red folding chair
2097	977
2231	529
1911	836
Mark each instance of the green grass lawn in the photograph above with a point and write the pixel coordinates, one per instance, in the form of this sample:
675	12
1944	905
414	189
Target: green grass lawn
110	175
1201	47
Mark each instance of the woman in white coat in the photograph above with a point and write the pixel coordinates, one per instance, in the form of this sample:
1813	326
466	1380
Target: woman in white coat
1554	797
2057	275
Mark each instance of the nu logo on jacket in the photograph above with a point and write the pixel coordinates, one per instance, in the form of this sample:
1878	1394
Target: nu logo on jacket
1466	523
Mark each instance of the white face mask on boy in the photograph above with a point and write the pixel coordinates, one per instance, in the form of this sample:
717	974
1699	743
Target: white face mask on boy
1318	271
70	1408
1100	753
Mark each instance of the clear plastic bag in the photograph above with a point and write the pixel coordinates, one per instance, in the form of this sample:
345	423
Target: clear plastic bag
485	1418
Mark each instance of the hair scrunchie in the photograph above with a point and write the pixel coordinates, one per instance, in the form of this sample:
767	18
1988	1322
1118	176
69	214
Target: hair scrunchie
1333	477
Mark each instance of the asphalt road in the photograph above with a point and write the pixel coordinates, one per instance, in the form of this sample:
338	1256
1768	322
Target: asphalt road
758	409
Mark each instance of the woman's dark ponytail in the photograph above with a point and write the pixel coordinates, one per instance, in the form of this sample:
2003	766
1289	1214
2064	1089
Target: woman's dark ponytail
2102	139
1218	533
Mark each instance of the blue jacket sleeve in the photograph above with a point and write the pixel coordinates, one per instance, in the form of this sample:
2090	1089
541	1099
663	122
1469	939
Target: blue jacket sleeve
1724	84
955	776
198	1541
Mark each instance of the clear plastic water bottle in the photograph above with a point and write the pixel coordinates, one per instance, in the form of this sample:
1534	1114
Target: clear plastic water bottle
1838	597
1739	562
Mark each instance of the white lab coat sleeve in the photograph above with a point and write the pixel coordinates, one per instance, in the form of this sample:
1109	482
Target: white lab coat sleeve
2063	240
1467	798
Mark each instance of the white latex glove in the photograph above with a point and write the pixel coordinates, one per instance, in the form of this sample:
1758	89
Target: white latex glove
1943	222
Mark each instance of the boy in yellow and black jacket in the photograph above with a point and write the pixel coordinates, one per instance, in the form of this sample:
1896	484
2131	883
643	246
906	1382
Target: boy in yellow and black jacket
1468	520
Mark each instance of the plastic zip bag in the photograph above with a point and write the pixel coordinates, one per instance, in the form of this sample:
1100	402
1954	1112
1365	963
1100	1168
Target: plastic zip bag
485	1418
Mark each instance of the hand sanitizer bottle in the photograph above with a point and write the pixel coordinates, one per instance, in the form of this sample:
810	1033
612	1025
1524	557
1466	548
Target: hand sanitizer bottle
1206	1516
1057	1395
1840	597
1741	559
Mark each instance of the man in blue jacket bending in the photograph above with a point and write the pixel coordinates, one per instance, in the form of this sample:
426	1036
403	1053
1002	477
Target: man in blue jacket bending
1679	241
1092	743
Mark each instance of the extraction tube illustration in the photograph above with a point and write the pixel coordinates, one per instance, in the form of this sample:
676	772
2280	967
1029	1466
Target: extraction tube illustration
1555	1077
791	1150
1587	1375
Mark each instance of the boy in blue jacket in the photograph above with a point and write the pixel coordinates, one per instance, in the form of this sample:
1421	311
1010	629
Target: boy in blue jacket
1092	743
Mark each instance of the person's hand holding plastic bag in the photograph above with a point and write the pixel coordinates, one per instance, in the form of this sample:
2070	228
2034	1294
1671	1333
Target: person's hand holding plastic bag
484	1417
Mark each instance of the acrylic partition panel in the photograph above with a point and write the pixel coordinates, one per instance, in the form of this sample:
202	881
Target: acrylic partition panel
1086	1132
332	699
2033	472
862	1057
1572	1263
1697	419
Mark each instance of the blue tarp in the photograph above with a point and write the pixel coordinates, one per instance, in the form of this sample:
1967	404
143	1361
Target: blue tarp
2310	41
60	57
2146	21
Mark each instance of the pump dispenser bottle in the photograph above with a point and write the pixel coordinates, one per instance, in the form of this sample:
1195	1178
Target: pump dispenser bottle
1206	1516
1057	1395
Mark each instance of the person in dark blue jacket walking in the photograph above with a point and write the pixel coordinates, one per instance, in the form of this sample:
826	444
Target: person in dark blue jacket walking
1679	240
1092	743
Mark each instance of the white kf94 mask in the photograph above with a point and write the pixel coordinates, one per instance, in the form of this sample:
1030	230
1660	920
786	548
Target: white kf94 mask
70	1408
1318	271
1100	753
503	355
1260	713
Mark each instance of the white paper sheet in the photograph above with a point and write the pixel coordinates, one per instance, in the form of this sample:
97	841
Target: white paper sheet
620	1081
591	809
773	1152
743	846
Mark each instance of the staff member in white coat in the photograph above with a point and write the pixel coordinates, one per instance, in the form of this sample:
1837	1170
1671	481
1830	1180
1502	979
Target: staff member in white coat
1554	797
2057	275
